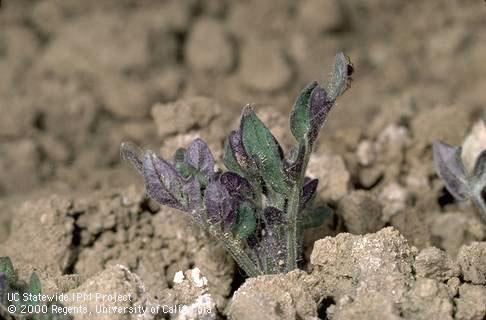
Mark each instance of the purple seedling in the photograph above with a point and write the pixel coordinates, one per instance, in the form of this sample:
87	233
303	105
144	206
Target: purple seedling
259	207
461	184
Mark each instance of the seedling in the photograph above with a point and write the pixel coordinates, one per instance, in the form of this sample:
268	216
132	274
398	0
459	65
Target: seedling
20	300
461	184
259	207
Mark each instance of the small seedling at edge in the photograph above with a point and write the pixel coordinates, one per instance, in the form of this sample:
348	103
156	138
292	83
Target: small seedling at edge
461	184
259	208
21	300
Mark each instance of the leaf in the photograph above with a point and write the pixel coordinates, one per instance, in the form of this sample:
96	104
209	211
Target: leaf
299	117
295	164
316	217
200	157
192	192
220	206
229	158
245	162
35	286
3	286
320	106
259	142
252	242
181	165
162	181
273	216
133	154
6	267
449	167
308	192
478	182
341	77
479	170
279	148
236	184
245	224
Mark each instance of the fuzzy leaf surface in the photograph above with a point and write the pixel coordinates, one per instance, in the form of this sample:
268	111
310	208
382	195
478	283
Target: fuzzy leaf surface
245	224
200	157
273	216
192	191
320	106
220	206
340	78
35	286
259	142
308	192
229	157
6	267
133	154
479	170
246	163
299	117
449	167
162	181
236	184
295	165
181	165
478	182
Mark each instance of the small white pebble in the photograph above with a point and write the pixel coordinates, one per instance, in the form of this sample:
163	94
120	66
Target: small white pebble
366	153
198	280
392	135
179	277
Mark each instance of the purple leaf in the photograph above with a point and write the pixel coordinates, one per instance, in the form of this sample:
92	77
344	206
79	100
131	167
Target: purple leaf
294	168
319	108
252	241
273	216
167	173
479	170
235	184
236	144
450	169
308	191
192	191
479	184
199	156
161	180
130	152
221	208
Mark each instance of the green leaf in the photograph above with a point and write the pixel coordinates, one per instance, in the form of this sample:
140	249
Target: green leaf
6	267
299	118
35	286
340	79
261	144
245	224
181	165
230	160
315	217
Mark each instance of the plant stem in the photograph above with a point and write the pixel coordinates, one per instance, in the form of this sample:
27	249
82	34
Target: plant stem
292	242
479	201
293	231
239	255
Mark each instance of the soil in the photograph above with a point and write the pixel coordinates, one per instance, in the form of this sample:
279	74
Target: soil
77	78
